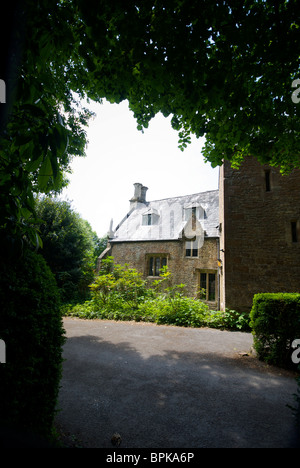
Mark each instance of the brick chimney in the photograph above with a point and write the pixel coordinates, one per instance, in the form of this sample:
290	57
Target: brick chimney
139	195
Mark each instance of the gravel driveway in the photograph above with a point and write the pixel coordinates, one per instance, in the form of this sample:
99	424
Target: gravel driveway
170	387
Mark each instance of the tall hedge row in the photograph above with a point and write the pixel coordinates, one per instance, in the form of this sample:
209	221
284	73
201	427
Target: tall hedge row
31	326
275	321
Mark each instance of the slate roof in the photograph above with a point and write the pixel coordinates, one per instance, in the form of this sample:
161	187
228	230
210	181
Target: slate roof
169	218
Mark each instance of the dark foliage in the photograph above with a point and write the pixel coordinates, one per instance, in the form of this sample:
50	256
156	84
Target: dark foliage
31	326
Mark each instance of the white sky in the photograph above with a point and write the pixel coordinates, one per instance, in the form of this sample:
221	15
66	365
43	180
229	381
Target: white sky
118	155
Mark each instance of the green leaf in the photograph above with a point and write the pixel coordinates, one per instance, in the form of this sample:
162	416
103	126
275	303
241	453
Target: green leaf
45	173
33	165
25	213
35	238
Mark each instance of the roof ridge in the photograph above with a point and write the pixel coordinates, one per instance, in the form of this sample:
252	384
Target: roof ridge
182	196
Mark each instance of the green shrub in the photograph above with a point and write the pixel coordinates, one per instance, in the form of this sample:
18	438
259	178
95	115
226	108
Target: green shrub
229	320
31	326
85	310
149	309
182	311
118	287
120	293
275	321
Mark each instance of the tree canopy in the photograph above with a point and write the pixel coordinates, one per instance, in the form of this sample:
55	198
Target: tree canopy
222	69
70	246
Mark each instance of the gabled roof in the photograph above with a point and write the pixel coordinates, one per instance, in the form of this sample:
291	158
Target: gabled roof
170	218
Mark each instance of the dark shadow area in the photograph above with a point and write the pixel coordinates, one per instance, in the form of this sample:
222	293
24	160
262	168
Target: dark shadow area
15	437
172	399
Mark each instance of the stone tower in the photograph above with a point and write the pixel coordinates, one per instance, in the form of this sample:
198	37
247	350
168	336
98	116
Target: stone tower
259	232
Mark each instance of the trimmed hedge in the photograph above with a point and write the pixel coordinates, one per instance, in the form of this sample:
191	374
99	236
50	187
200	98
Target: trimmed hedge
31	326
275	321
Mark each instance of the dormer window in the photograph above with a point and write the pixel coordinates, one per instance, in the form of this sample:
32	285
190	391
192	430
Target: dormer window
194	212
190	213
150	218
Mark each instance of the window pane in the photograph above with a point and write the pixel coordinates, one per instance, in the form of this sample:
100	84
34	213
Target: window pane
163	262
188	248
294	231
268	181
211	287
202	285
188	213
151	266
149	219
195	248
157	266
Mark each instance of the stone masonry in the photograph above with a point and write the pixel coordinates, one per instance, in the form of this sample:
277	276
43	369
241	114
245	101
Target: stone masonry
184	270
260	232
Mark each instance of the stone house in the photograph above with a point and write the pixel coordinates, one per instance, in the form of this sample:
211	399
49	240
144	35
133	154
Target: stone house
180	232
225	245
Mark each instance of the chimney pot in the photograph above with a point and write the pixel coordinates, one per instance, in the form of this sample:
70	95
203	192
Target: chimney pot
139	194
143	194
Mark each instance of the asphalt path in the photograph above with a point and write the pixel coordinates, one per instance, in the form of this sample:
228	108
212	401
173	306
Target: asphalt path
170	387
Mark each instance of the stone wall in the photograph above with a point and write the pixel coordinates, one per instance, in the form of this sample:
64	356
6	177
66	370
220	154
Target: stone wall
184	269
262	247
